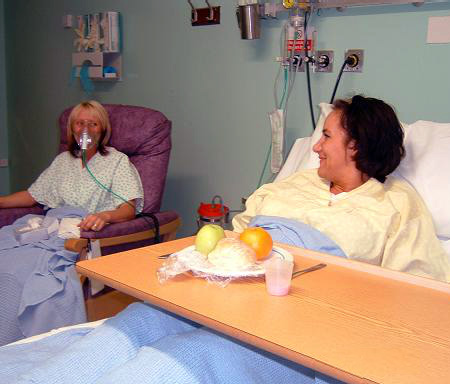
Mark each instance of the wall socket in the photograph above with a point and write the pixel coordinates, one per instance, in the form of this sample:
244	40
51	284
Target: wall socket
3	163
358	54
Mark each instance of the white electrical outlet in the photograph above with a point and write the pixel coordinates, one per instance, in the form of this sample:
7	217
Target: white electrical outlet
3	163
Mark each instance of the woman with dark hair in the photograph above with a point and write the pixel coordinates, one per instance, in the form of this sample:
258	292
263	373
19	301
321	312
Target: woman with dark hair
350	198
373	127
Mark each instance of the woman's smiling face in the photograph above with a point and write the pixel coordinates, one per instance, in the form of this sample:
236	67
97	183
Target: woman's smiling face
335	150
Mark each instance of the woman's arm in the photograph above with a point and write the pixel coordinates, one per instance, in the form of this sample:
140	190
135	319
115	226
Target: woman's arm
97	221
17	200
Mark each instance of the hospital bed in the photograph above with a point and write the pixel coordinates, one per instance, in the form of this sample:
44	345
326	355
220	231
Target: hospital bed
424	167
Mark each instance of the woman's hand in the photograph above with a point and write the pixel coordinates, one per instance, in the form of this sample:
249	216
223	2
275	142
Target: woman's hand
98	221
95	222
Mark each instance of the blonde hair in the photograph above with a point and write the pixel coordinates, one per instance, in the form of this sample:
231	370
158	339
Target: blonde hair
97	111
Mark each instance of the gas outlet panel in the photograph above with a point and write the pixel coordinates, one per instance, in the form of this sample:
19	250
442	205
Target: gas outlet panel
357	60
295	66
324	61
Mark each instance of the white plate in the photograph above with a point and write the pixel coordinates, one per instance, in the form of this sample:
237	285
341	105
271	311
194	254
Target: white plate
254	270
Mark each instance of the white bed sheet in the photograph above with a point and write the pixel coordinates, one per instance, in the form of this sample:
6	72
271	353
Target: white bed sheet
91	324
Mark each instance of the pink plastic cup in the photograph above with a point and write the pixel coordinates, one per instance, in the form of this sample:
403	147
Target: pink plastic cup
278	276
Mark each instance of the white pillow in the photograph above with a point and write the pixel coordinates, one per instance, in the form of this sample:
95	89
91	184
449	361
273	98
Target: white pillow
299	150
426	165
311	159
446	245
301	155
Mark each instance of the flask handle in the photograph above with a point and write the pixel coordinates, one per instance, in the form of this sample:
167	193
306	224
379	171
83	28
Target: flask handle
221	203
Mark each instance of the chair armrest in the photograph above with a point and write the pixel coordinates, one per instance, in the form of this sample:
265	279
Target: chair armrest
127	232
10	215
75	245
131	226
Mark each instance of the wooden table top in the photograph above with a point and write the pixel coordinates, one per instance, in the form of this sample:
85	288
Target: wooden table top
353	321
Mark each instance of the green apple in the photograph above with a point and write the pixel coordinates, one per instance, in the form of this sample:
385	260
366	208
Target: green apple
208	237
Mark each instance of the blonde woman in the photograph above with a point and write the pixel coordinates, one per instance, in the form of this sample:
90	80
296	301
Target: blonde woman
39	285
66	182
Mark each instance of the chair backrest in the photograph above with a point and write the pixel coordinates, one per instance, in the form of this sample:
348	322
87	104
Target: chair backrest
143	134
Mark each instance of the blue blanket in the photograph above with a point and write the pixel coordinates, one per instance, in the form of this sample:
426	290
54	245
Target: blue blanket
294	232
39	287
144	344
67	358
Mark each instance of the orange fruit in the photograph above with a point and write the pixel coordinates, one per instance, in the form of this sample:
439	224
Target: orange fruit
259	240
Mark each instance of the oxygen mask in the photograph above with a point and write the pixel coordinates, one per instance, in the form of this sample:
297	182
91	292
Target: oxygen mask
85	141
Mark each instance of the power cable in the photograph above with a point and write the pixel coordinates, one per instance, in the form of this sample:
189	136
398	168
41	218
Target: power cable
352	61
338	81
308	80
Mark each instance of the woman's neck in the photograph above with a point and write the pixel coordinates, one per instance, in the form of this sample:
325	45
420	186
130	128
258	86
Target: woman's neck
349	183
90	152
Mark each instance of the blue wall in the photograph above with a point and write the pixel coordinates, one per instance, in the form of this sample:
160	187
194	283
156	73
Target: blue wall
215	87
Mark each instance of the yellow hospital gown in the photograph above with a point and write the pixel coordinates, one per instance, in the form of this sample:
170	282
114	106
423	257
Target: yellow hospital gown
382	224
66	182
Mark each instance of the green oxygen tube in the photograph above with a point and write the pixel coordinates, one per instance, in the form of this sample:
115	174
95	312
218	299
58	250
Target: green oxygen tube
85	142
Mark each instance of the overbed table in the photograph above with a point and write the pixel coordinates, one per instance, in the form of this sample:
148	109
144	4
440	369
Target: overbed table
353	321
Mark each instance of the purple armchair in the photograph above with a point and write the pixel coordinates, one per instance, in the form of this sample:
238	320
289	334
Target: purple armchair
143	135
10	215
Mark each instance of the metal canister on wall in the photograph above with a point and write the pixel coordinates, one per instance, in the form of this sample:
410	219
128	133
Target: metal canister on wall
249	21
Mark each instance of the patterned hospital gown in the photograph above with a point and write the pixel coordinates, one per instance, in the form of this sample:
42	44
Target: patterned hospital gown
66	182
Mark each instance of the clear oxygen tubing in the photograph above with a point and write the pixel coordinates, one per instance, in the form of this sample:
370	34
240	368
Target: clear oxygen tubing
278	104
290	73
284	59
290	77
293	73
275	84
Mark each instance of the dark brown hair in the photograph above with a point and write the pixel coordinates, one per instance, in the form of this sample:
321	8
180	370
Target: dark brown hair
378	135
